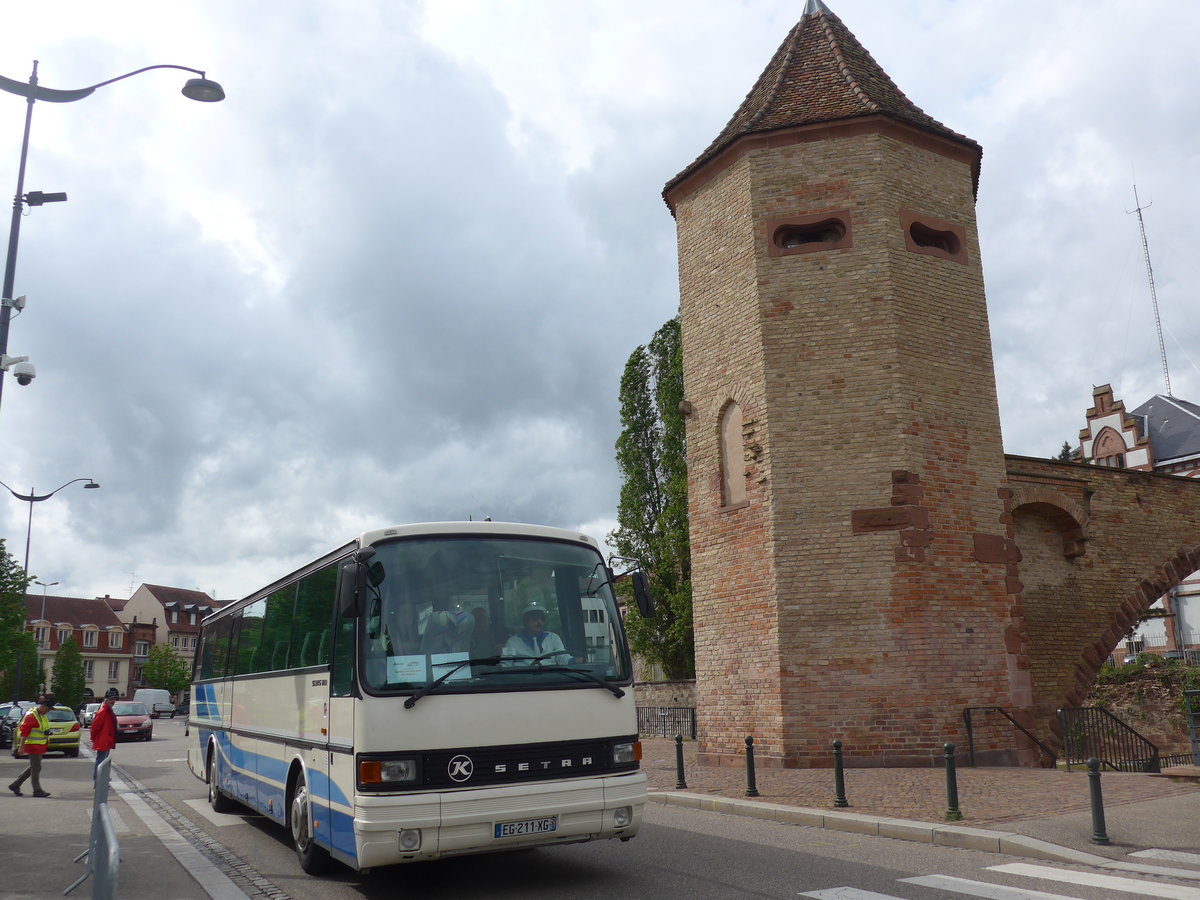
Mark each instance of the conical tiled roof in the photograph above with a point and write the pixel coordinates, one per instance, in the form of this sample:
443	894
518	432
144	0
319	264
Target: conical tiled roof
820	73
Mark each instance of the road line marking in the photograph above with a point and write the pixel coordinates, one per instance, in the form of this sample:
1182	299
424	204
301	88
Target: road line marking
847	893
203	808
1111	882
981	888
1172	855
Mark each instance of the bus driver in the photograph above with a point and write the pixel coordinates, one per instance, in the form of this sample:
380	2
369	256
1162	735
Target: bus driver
534	640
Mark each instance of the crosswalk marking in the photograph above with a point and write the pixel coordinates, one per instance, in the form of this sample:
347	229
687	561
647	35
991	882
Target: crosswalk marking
847	893
216	818
1110	882
1172	855
982	888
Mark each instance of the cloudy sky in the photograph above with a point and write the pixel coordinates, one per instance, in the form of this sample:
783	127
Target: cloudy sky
394	277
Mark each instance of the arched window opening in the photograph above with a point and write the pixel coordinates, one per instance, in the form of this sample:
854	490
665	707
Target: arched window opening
733	461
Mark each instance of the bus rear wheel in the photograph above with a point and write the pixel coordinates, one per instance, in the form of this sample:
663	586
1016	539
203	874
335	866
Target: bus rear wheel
314	859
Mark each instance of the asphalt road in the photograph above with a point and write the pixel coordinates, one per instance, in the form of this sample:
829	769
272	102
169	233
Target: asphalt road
679	853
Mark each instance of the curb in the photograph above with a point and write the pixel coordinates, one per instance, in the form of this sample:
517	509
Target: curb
960	836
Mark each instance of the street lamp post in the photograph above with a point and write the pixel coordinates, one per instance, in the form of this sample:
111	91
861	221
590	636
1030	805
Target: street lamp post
32	498
46	643
195	89
44	587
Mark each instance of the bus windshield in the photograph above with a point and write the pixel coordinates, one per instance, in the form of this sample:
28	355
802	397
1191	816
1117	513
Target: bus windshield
478	614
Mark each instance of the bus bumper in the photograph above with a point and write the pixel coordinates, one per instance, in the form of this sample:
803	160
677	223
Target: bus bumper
466	821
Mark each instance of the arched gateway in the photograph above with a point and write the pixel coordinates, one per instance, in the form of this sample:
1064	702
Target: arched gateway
865	579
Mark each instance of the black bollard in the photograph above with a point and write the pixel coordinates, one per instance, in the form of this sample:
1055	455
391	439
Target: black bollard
839	778
1099	834
953	813
751	786
680	783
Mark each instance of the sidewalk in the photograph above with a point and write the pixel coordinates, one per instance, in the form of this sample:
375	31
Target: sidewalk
1044	813
39	838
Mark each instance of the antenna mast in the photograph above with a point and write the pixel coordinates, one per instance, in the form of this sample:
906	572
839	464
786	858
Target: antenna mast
1162	350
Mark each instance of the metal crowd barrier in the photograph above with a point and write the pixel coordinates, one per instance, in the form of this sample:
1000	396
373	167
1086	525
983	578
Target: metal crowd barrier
103	853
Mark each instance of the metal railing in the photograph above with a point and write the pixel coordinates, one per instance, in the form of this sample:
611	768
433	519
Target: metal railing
103	853
1091	731
667	721
1029	734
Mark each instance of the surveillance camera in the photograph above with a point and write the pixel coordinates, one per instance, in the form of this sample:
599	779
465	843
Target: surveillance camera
24	372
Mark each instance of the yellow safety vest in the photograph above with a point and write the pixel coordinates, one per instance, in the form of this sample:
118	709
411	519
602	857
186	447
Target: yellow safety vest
39	734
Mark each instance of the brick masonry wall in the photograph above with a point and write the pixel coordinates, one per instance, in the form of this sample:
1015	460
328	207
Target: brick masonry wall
1098	546
867	589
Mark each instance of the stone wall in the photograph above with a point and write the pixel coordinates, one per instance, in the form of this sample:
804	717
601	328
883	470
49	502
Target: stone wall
671	694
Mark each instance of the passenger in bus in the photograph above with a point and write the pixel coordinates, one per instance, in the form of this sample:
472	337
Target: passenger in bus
534	640
448	631
488	639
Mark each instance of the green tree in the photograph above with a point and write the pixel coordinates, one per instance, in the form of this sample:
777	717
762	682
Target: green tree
66	677
652	516
13	583
23	678
1064	455
166	669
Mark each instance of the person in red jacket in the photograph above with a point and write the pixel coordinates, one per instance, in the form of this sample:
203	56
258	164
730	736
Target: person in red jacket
35	736
104	730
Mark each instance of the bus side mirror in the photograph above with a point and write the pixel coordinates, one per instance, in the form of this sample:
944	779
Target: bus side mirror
355	574
641	593
350	590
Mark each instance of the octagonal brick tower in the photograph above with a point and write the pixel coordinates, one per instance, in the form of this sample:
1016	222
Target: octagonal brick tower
853	565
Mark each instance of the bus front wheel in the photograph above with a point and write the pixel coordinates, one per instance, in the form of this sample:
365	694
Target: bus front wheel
218	801
314	859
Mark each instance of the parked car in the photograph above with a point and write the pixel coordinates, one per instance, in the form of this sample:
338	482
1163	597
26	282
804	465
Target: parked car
133	721
157	700
89	713
64	732
12	720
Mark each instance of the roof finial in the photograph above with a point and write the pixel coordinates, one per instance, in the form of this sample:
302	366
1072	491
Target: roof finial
812	7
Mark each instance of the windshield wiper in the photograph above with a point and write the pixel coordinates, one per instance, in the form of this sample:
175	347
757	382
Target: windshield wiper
441	679
616	691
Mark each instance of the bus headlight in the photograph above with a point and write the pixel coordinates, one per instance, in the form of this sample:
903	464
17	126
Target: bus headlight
626	752
622	817
410	840
379	774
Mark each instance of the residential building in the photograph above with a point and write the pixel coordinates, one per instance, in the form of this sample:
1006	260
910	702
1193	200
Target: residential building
1162	435
101	637
174	613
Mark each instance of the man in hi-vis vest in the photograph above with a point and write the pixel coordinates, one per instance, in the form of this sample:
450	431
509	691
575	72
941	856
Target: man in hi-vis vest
35	737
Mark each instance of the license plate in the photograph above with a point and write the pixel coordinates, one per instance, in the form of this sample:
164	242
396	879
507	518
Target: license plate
544	825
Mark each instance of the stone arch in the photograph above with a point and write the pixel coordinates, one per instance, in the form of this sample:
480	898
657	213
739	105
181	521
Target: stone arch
1179	566
1066	512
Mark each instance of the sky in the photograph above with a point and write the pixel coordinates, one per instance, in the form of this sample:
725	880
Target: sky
394	277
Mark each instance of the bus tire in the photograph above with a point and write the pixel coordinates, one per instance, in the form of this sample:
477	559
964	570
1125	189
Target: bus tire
218	801
314	859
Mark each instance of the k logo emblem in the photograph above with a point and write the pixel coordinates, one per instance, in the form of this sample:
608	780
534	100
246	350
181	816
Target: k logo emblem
460	768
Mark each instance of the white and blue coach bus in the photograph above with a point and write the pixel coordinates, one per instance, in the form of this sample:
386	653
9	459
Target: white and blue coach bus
426	691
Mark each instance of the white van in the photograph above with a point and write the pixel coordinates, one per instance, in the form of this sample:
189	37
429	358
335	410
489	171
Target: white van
157	700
